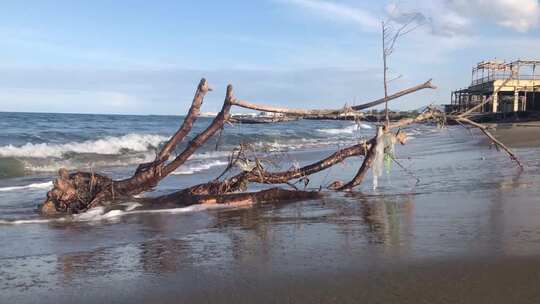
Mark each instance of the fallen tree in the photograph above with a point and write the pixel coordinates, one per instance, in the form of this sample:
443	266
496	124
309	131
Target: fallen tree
79	191
268	108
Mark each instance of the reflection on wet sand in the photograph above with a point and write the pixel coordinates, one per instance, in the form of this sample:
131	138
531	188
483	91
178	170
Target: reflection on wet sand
354	235
161	256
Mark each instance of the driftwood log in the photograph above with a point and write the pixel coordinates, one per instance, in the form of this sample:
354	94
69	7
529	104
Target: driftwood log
268	108
76	192
79	191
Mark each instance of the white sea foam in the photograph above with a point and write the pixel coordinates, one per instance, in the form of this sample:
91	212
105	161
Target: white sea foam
52	165
365	126
108	146
189	209
100	214
276	146
132	205
194	168
32	221
36	186
347	130
212	154
90	215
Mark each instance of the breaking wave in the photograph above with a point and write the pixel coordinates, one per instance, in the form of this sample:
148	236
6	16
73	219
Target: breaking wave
347	130
198	167
107	146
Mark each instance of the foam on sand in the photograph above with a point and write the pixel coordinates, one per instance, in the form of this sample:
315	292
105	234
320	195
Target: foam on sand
36	186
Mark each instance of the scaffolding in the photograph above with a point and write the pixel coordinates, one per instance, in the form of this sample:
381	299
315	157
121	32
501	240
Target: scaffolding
512	87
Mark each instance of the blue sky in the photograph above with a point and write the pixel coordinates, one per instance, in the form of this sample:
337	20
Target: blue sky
146	57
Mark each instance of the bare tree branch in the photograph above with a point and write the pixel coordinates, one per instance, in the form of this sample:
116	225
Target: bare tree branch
262	107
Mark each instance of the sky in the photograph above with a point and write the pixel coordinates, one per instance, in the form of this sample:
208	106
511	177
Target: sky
147	57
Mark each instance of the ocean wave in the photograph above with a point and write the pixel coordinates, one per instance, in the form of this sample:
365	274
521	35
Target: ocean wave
210	155
12	167
194	168
276	146
110	145
36	186
52	165
347	130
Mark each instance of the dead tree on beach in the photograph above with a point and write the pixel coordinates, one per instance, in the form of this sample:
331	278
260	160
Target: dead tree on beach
392	30
77	192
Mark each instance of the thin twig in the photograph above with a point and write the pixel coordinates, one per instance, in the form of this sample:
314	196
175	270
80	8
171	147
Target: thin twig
493	139
405	169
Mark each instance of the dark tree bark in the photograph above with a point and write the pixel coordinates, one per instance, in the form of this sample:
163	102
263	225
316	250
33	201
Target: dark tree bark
77	192
366	165
188	198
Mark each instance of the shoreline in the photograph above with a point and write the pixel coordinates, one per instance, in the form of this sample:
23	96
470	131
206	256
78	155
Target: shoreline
519	135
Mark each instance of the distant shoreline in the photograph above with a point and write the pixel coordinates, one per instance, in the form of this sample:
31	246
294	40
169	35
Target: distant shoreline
525	134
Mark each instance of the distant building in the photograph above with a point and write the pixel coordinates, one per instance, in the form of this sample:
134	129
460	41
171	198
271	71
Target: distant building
208	114
513	87
270	114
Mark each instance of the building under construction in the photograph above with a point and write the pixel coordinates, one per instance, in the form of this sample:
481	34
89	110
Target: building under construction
512	87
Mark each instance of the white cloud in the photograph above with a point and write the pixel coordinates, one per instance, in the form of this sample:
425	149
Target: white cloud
459	17
341	12
437	15
520	15
443	17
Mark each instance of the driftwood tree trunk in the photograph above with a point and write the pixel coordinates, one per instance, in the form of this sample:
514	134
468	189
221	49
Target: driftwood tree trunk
79	191
366	164
186	198
267	108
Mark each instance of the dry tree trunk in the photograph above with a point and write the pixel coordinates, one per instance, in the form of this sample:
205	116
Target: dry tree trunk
365	148
366	164
463	120
186	198
79	191
267	108
261	176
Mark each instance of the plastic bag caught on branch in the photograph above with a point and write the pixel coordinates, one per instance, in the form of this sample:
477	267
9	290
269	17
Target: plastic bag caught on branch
384	152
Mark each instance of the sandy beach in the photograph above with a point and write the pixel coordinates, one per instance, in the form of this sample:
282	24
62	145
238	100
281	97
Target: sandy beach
526	134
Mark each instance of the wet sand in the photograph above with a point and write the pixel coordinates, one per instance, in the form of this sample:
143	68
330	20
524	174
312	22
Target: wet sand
481	280
479	247
526	134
